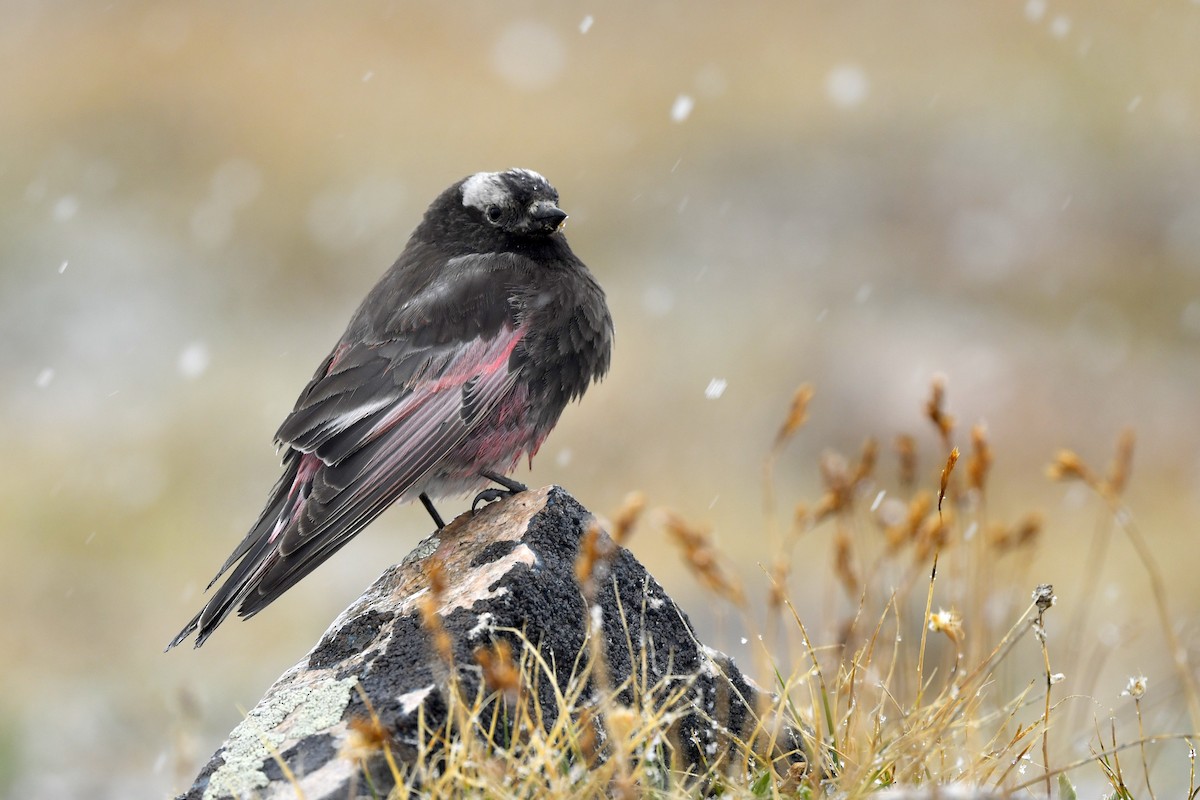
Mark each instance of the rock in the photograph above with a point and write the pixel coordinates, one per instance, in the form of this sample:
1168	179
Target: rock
511	567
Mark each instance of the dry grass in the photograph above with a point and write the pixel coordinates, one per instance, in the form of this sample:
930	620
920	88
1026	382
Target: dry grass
910	692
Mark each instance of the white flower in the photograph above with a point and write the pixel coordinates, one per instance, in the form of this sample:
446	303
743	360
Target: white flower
1136	687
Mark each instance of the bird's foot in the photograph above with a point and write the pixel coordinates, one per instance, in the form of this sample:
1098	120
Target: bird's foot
487	496
511	487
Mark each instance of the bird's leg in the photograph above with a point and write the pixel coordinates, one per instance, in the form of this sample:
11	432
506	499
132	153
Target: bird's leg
433	512
511	487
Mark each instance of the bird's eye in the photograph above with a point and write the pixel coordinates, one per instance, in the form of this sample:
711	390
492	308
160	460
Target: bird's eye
494	213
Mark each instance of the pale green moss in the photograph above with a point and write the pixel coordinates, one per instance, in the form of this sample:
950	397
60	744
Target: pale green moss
308	709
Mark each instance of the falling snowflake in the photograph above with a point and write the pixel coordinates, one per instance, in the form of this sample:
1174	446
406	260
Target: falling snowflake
682	108
846	86
66	208
529	55
193	361
658	300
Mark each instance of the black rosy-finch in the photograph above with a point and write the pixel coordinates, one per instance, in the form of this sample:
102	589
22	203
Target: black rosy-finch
457	364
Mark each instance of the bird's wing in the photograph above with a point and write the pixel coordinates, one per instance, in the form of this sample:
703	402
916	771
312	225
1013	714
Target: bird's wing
374	420
381	454
378	458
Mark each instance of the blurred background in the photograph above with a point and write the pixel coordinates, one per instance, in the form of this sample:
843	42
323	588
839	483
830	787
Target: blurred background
195	197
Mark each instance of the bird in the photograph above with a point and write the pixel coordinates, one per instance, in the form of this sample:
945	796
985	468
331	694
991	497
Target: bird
457	364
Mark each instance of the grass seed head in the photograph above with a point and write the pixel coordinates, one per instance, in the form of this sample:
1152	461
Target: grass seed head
946	472
588	742
701	557
1006	539
906	452
1028	529
435	571
843	563
800	518
366	735
949	623
500	672
908	530
797	415
593	550
866	461
835	473
627	516
935	408
1068	466
430	605
980	461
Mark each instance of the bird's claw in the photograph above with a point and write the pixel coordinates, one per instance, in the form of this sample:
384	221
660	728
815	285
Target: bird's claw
487	496
510	487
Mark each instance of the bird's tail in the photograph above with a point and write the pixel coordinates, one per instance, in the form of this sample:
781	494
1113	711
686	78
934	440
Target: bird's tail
251	556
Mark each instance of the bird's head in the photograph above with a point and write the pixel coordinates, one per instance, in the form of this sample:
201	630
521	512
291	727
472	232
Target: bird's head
516	201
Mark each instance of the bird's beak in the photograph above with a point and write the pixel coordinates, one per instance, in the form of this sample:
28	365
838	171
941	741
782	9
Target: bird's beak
548	216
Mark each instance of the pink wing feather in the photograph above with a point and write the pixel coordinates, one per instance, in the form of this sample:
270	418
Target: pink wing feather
371	428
